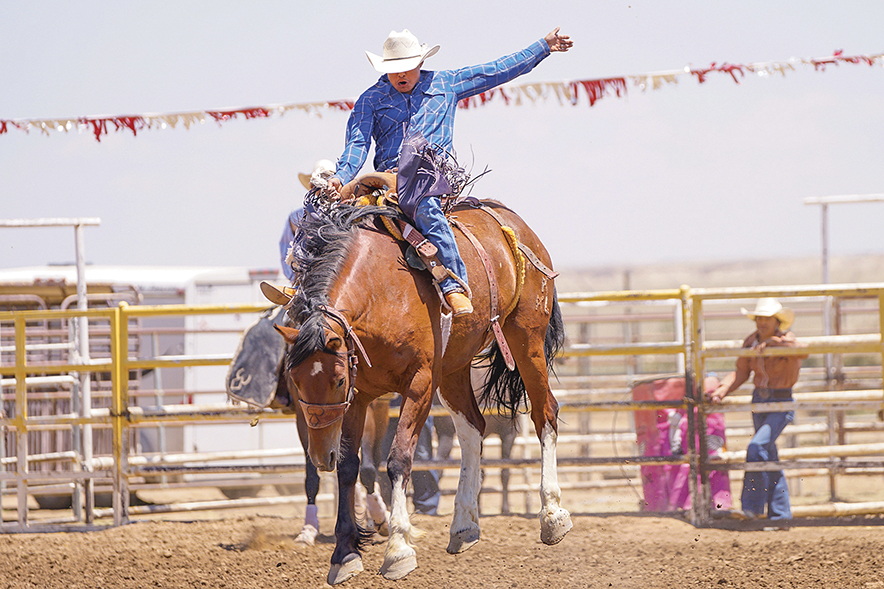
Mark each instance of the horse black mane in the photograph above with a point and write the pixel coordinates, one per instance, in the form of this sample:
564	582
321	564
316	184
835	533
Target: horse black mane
322	245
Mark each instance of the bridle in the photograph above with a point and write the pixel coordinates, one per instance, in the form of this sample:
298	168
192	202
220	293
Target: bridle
321	415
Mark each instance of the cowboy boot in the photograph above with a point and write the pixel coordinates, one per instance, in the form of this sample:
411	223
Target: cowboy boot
459	302
278	295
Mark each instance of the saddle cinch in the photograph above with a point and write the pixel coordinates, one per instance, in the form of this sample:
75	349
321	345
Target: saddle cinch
379	189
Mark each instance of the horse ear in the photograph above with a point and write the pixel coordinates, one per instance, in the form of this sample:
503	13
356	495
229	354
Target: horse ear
289	334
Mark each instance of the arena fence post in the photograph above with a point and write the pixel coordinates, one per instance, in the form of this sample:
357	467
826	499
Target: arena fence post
21	426
119	412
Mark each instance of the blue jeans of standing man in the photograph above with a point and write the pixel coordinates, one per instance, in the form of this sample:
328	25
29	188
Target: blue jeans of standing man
768	488
430	222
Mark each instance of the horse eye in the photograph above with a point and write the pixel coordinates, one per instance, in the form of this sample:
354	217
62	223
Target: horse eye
341	383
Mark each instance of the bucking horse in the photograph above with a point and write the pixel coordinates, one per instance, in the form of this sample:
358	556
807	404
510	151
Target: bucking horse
365	322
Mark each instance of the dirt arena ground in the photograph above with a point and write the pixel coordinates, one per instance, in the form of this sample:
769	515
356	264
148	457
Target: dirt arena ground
257	551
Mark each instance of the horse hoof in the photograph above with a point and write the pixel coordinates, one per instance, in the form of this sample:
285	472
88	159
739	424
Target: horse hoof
554	527
462	540
307	536
383	529
338	573
397	569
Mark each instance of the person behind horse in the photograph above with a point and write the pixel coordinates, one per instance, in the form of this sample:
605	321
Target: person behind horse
322	171
774	378
414	106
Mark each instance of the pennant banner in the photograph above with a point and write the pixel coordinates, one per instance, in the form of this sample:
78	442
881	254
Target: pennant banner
566	92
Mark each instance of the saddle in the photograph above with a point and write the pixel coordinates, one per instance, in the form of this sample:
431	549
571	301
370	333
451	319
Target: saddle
379	189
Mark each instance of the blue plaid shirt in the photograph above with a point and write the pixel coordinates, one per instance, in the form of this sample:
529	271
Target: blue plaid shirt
383	113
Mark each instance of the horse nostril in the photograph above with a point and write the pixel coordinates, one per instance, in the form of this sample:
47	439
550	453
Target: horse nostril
333	459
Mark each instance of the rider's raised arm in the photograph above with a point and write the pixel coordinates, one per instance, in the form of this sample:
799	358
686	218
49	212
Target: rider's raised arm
475	79
357	142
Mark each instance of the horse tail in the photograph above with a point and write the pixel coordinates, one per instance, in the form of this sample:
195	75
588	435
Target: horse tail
504	389
554	341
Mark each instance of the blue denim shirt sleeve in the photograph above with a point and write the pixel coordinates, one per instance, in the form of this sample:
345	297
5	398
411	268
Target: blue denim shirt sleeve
360	126
476	79
381	113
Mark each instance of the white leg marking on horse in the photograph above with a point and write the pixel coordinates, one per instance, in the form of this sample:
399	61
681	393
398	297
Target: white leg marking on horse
555	521
465	520
317	368
378	511
399	556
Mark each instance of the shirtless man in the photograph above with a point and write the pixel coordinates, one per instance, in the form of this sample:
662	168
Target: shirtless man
774	378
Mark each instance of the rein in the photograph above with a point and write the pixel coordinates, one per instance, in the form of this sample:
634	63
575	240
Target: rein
321	415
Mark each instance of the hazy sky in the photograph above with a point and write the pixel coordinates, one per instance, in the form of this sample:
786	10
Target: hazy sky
717	171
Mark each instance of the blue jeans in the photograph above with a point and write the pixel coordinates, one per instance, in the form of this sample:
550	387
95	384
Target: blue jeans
768	488
430	222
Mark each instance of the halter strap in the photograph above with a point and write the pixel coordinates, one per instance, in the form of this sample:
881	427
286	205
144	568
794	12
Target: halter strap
350	336
321	415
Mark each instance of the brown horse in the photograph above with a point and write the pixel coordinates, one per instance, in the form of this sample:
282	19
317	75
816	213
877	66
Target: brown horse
359	302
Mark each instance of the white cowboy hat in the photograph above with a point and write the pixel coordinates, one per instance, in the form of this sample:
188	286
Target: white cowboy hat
768	307
321	169
402	53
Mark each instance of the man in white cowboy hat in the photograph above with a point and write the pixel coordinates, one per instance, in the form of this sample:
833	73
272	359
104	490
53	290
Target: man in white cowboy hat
408	102
318	178
322	171
774	378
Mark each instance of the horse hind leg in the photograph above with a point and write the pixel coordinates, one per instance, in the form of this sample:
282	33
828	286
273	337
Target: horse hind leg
373	506
457	397
310	529
528	352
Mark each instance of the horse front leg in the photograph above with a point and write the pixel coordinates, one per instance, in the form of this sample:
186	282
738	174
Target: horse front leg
399	556
346	560
507	432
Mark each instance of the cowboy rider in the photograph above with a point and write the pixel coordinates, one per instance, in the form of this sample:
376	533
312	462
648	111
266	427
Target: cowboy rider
408	101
